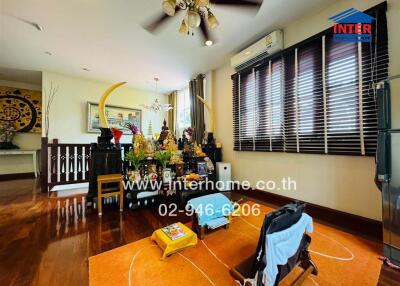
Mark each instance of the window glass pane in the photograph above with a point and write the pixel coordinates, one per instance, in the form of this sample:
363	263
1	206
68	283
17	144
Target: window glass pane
342	87
183	110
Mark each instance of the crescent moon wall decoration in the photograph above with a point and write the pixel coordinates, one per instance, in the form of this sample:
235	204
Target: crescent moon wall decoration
210	112
102	103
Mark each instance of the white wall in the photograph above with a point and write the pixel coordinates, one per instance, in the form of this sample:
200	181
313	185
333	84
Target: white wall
68	115
20	163
340	182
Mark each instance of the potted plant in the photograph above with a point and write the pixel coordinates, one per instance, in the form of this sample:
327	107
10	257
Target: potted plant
7	133
136	157
164	157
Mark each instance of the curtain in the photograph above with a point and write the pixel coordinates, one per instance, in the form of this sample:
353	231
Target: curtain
172	113
196	88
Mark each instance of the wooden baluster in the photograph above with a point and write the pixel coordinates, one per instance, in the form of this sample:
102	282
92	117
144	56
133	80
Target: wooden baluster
72	161
80	162
44	164
87	161
63	163
54	161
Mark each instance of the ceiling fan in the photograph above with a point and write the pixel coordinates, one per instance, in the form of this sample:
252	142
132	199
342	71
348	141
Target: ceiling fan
198	15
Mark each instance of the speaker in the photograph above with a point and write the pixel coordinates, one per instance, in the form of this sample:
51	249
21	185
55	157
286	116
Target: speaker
224	176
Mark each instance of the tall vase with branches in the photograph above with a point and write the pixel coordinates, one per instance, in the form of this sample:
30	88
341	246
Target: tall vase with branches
50	95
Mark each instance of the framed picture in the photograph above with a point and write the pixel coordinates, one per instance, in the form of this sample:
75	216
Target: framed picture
117	117
202	169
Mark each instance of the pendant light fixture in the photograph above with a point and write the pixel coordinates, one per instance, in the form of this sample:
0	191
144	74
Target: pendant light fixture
193	19
202	3
169	7
197	14
212	20
184	29
156	106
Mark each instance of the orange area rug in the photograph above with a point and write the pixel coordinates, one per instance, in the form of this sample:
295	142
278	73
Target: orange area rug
341	258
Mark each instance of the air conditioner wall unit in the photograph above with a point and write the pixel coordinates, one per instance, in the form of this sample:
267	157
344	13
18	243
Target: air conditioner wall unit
267	46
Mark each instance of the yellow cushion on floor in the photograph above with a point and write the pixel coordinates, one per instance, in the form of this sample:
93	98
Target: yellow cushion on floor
171	246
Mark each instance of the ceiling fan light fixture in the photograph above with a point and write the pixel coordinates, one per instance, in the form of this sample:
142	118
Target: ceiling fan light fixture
212	21
193	19
169	7
184	29
202	3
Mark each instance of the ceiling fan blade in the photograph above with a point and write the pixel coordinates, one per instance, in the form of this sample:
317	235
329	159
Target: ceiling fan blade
205	32
154	24
33	24
242	3
158	21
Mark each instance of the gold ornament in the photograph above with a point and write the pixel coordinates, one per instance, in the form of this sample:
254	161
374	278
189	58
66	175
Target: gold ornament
198	151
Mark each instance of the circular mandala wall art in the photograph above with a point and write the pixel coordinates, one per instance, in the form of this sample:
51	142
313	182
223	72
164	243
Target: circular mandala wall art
23	107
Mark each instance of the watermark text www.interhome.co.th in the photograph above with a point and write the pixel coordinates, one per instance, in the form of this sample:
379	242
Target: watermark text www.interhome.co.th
285	184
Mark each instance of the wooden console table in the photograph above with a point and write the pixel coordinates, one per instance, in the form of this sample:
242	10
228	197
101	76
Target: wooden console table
32	153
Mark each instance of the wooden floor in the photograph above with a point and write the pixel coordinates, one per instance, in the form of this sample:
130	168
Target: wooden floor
47	241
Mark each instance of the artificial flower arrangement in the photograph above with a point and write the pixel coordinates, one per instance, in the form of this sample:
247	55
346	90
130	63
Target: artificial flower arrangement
140	142
138	138
136	155
136	158
164	157
188	133
132	127
7	133
117	136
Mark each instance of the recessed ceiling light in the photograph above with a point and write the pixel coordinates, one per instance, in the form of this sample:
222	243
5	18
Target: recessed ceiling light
209	43
48	53
86	69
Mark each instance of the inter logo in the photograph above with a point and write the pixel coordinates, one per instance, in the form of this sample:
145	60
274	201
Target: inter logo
352	26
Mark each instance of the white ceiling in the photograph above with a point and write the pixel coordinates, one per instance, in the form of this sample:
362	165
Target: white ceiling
105	36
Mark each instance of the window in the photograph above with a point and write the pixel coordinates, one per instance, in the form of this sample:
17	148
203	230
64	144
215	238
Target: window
342	88
183	119
316	97
257	107
247	110
270	105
